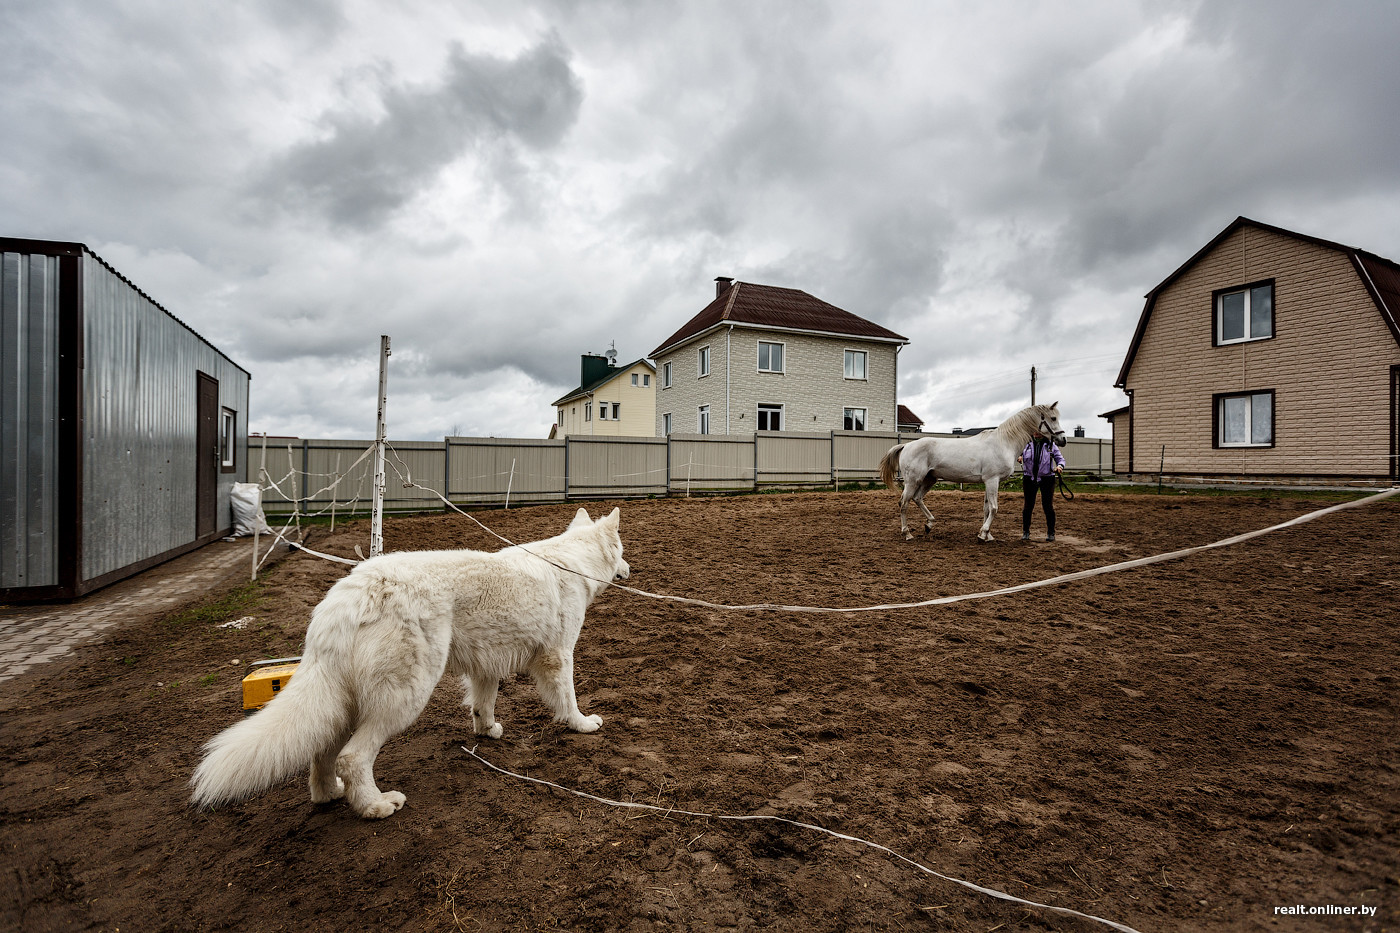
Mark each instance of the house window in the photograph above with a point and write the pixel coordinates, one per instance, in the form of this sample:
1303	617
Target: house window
228	446
665	375
634	379
703	425
1244	314
770	417
1245	420
646	380
561	417
704	362
770	357
617	411
854	419
587	411
855	364
666	424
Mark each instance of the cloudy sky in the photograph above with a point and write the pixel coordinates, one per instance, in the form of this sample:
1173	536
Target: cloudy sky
502	186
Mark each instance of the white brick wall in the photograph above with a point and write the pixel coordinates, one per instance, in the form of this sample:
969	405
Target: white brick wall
812	387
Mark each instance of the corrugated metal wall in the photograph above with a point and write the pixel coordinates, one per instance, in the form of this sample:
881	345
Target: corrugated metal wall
617	466
29	320
487	469
140	418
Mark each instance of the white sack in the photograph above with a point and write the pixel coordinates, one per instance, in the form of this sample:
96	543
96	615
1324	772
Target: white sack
247	510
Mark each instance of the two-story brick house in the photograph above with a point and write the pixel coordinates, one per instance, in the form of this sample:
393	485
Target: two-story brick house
1269	356
764	358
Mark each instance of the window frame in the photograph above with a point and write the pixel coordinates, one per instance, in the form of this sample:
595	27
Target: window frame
702	420
864	418
766	408
702	361
1218	400
849	354
1217	312
587	411
782	357
665	424
616	411
228	440
666	375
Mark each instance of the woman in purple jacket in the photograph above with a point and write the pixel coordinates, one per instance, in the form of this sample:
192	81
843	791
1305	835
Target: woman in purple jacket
1041	462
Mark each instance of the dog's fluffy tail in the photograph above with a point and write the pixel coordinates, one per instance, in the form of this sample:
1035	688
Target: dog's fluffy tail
279	740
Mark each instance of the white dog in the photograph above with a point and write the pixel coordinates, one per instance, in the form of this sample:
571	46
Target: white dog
380	641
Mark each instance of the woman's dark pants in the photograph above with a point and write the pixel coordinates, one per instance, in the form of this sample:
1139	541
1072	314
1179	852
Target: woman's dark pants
1046	488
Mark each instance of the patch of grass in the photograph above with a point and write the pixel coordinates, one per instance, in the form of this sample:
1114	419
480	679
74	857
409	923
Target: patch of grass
208	680
232	605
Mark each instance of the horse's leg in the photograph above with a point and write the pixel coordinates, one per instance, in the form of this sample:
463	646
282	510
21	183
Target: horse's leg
924	487
909	484
989	510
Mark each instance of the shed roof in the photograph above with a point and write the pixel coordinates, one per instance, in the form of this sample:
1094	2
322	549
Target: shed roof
1380	276
24	245
769	306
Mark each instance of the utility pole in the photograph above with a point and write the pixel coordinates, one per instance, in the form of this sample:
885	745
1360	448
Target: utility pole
1032	385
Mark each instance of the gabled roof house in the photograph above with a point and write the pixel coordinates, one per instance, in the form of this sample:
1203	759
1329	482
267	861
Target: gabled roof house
1268	356
611	400
766	358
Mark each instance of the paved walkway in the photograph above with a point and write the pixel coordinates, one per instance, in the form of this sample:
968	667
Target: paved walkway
31	635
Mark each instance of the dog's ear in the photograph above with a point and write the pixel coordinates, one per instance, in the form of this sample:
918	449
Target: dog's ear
614	518
581	519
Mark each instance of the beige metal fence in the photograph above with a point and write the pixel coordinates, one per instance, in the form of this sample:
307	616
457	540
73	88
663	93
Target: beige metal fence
320	476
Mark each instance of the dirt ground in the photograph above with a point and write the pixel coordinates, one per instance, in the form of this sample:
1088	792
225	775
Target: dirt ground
1186	746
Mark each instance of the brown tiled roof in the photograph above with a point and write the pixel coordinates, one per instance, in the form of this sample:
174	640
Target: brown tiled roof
904	416
1380	276
782	308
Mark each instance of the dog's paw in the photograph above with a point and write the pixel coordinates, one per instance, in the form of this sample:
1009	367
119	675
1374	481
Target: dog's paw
387	805
321	795
587	724
494	732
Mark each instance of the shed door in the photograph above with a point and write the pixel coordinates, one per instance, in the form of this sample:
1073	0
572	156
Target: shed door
206	456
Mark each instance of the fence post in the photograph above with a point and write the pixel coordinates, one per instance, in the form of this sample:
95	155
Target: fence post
376	523
447	473
510	482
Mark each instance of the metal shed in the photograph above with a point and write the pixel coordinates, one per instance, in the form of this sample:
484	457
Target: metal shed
122	431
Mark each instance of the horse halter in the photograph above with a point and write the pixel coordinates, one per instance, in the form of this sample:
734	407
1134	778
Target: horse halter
1044	429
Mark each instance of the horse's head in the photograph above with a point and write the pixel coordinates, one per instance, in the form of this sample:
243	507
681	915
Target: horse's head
1049	416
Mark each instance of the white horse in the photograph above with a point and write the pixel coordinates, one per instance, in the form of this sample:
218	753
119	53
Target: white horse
987	458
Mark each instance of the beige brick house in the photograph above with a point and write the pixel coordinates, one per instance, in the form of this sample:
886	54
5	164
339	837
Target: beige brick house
1269	356
610	401
764	358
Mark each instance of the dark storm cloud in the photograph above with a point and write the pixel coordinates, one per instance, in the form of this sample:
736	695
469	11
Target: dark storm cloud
370	166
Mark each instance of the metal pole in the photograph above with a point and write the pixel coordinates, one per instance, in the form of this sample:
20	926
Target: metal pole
510	482
376	524
1160	468
1032	385
262	478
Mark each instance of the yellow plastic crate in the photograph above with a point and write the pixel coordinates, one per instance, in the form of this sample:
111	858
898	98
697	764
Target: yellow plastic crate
265	681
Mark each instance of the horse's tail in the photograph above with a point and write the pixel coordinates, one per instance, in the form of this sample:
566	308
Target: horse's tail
889	465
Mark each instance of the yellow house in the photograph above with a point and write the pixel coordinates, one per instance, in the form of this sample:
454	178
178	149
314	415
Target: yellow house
611	400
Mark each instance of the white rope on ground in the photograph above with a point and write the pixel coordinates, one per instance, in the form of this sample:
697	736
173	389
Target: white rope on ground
672	811
942	600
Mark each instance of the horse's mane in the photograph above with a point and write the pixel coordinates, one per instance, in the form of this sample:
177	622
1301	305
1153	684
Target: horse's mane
1020	425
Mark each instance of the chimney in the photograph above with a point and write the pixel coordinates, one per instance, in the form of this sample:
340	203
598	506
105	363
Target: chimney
722	283
593	368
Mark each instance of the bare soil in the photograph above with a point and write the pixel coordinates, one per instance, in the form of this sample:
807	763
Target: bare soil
1186	746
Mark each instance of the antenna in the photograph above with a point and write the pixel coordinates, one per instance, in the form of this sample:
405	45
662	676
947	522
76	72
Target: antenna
612	354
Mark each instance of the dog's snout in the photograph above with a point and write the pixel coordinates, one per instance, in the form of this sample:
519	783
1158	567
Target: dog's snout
623	572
